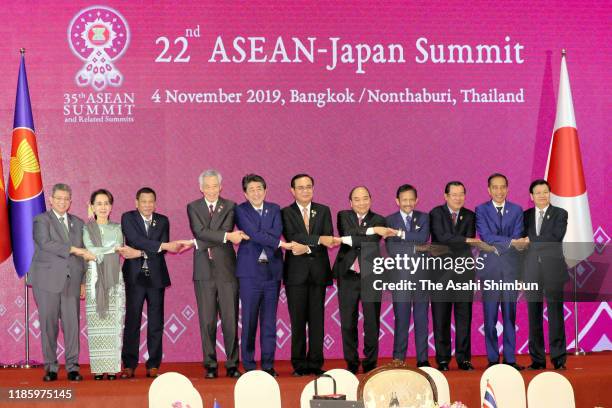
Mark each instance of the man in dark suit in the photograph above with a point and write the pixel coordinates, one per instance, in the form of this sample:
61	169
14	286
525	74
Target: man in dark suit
211	219
499	223
413	227
358	227
307	274
454	226
259	269
545	227
146	278
57	276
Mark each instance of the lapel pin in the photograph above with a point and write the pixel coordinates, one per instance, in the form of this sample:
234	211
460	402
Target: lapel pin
460	217
313	213
548	217
153	223
418	227
220	208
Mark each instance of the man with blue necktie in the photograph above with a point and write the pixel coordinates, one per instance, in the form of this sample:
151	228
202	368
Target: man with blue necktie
499	223
259	269
413	230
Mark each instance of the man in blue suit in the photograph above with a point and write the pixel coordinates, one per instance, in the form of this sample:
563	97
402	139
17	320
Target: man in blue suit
500	223
259	269
413	230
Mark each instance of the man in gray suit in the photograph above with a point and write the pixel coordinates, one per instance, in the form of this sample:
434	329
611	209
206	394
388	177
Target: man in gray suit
57	276
211	219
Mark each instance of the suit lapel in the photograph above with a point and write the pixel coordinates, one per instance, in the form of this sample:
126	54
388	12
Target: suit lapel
298	217
140	222
218	211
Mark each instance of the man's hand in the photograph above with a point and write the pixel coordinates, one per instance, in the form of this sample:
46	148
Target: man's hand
299	249
77	251
128	252
88	256
385	232
329	241
185	245
520	244
82	295
172	246
472	241
287	245
234	237
483	246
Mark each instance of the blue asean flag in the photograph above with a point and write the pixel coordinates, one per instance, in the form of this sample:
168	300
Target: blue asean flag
26	199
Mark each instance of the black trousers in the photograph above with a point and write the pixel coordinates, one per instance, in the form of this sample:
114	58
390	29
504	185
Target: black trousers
306	308
442	313
556	327
135	296
349	297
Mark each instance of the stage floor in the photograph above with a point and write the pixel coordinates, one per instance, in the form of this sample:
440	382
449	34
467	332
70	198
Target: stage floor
590	375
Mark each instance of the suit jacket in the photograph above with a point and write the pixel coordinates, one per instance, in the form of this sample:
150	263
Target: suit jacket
348	226
314	266
506	264
209	233
444	232
544	260
264	232
52	262
418	234
134	230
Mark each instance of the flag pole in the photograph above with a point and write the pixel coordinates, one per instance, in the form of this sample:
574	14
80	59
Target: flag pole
577	350
27	363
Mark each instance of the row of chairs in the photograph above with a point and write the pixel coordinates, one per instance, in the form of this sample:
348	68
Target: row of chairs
259	389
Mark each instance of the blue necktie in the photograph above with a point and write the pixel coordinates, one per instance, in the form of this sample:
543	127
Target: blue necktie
408	224
260	211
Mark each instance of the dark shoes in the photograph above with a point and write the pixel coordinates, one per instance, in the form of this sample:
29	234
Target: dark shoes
271	371
536	366
99	377
515	366
299	373
492	363
466	366
443	366
353	368
560	365
316	371
233	372
111	377
127	373
211	373
50	376
367	368
423	364
73	376
153	372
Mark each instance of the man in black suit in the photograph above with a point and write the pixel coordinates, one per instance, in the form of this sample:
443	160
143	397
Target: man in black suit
146	278
307	273
545	227
211	219
454	226
358	227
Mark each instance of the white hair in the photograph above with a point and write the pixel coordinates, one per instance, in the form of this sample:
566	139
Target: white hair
210	173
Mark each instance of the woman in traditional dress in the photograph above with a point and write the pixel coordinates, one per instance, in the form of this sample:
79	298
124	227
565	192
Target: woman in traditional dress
105	290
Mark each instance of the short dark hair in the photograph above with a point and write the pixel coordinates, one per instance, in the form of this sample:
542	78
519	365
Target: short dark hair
453	183
355	188
146	190
101	191
299	176
252	178
538	182
405	187
494	175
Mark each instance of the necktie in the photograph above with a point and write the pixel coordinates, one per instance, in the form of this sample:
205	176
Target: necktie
64	228
145	264
306	219
499	215
211	211
355	267
539	223
454	218
408	223
262	256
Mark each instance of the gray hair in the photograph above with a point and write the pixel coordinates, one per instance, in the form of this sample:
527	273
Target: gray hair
61	187
210	173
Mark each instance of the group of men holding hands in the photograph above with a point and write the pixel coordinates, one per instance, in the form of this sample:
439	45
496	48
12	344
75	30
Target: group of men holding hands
304	229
